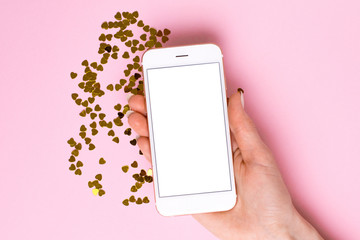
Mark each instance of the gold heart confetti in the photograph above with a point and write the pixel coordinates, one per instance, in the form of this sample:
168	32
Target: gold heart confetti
74	96
88	110
79	164
133	189
71	142
118	16
101	192
125	168
91	100
166	31
139	201
134	164
87	140
78	101
75	152
146	200
85	63
117	107
140	23
78	146
72	159
114	56
126	55
118	122
122	81
100	68
95	191
93	115
82	134
82	113
138	185
78	171
94	131
136	59
72	167
116	139
127	131
102	161
97	108
98	177
133	142
132	198
115	48
126	202
110	87
73	75
91	146
111	133
102	123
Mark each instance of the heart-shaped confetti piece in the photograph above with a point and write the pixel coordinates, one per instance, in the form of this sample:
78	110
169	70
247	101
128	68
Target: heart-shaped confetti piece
73	75
75	152
94	131
125	168
78	171
93	115
134	164
126	202
101	192
87	140
139	201
133	142
72	167
146	200
91	146
82	134
102	161
79	164
98	177
95	191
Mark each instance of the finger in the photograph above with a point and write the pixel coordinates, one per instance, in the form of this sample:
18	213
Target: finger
138	123
137	103
243	128
144	145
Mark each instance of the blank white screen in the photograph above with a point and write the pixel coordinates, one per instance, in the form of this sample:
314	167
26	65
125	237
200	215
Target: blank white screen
188	127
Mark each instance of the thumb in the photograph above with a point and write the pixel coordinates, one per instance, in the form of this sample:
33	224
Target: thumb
243	128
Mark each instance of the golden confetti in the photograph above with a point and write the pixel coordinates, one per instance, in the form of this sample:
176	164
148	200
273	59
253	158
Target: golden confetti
102	161
95	191
125	168
134	164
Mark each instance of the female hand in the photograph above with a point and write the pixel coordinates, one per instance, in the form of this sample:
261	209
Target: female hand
264	209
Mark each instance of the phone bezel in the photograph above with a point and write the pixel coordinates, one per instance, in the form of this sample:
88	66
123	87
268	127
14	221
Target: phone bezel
196	203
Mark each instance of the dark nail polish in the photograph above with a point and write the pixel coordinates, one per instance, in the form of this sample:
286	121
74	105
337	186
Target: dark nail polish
240	90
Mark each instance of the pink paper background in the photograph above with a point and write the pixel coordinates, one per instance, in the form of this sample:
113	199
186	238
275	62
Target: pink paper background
298	61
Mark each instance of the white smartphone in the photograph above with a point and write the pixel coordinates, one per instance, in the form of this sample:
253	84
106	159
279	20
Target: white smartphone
189	130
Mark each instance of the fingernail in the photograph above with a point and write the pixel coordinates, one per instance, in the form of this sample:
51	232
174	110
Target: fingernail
137	137
128	95
127	114
241	91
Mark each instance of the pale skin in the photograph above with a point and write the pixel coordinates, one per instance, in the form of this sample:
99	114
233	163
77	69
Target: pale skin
264	209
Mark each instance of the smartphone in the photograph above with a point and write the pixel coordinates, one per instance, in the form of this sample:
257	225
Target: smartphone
189	130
